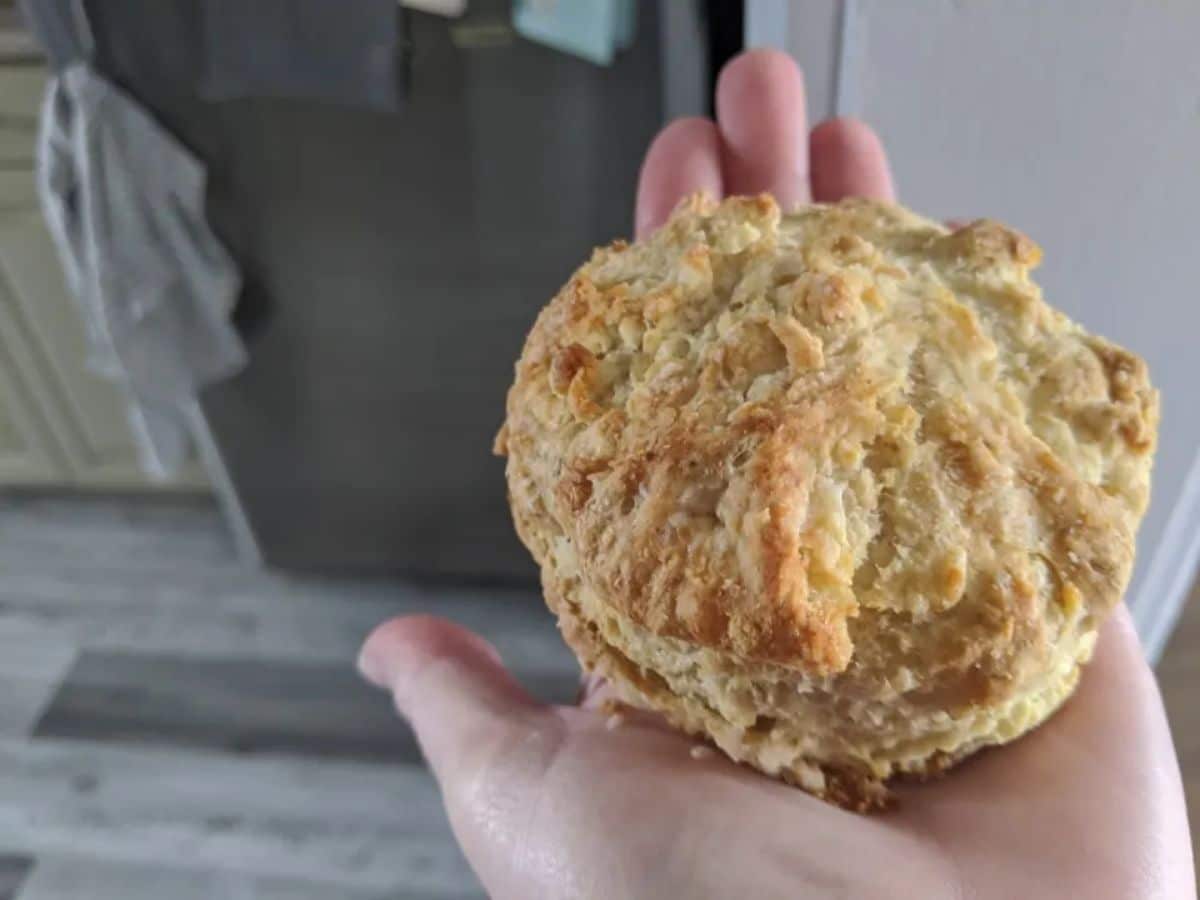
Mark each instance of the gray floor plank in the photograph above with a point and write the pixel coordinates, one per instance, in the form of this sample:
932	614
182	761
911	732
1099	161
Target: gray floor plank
225	613
13	872
243	706
147	533
33	663
81	878
353	824
131	634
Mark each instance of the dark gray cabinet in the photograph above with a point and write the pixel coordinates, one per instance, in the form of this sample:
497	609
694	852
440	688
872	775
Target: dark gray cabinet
394	261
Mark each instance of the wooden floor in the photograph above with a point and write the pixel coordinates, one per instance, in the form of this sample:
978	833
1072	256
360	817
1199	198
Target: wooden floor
172	725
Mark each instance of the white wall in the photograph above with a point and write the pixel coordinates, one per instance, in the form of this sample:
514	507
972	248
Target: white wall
1078	123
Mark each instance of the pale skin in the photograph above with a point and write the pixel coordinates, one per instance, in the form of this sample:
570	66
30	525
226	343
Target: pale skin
552	802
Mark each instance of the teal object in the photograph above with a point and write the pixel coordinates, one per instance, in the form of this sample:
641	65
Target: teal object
626	28
591	29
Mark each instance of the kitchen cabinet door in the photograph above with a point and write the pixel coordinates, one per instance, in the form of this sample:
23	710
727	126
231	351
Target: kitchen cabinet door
86	413
28	453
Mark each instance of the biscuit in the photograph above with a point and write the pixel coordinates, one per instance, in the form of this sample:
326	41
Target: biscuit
835	490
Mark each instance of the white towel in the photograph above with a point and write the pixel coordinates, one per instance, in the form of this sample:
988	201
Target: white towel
125	203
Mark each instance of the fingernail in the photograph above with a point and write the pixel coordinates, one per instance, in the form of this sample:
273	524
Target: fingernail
372	668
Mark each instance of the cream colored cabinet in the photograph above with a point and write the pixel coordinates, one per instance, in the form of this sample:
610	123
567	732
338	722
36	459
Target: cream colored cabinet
59	424
28	454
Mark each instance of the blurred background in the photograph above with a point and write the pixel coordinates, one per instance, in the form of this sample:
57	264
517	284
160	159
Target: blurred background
264	271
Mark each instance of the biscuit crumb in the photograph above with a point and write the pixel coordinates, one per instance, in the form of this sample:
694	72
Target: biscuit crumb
613	707
701	752
615	721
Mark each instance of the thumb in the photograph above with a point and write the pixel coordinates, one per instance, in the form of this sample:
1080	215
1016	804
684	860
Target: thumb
487	741
401	655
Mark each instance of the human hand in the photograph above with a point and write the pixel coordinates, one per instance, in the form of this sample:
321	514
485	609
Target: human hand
551	802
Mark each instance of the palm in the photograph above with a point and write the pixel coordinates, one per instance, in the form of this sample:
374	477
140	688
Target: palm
552	802
558	803
1073	810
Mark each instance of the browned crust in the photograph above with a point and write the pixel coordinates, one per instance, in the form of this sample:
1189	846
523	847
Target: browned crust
847	442
851	789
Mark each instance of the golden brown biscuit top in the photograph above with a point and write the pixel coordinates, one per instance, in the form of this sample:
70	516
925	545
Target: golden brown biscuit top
748	429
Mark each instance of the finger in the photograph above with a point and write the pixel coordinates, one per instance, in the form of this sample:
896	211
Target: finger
761	114
683	159
449	684
848	160
488	743
588	686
